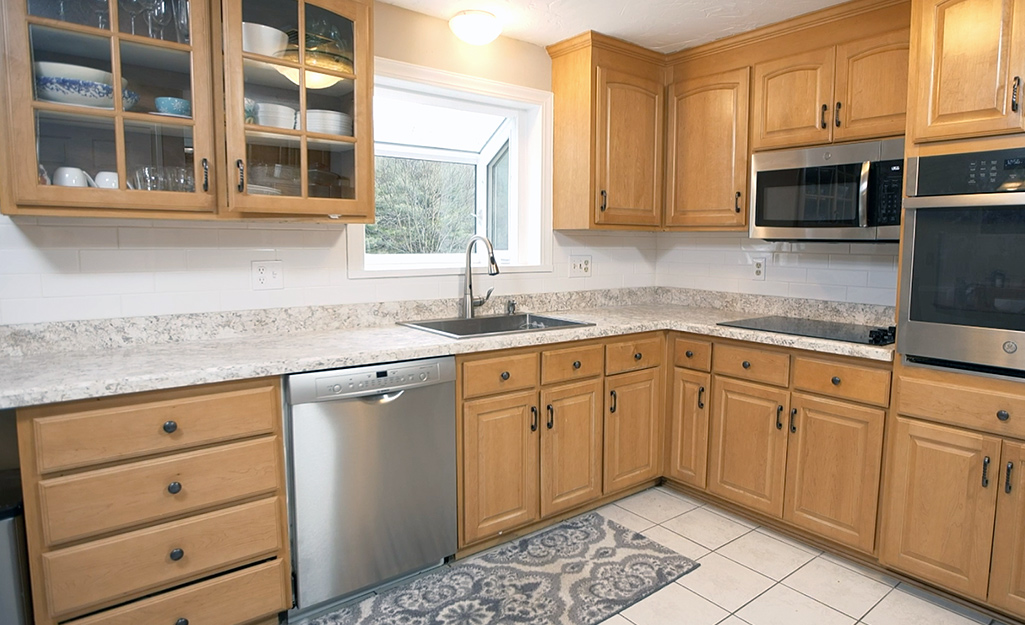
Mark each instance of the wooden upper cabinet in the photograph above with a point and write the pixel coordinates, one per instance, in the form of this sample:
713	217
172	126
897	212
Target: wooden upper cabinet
793	98
1007	571
707	154
871	94
969	60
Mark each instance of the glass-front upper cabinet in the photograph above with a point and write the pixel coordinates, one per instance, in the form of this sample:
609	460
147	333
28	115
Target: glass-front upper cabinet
298	82
110	106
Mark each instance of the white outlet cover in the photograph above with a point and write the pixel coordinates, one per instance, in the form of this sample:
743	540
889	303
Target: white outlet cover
758	269
580	266
268	275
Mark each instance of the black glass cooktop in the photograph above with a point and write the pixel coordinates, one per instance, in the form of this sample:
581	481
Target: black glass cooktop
850	332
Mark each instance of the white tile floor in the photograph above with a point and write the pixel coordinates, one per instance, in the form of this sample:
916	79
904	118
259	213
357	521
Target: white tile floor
751	575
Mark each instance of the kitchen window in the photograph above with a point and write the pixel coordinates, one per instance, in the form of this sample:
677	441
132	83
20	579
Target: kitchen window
455	156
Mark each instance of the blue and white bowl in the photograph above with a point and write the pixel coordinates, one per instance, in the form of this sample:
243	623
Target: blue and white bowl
179	107
82	92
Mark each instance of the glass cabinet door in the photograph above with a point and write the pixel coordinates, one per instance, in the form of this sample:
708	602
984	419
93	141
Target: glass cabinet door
298	80
115	99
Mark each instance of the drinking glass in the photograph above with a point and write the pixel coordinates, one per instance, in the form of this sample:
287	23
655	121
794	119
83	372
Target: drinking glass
181	20
150	6
150	179
162	15
133	8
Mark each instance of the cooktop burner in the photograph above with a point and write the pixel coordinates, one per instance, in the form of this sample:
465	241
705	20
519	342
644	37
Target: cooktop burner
850	332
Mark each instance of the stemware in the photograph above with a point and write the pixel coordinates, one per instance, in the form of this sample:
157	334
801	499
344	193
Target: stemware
133	8
100	8
150	6
181	20
162	15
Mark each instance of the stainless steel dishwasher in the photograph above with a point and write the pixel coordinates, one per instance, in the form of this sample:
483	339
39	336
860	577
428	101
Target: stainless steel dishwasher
371	476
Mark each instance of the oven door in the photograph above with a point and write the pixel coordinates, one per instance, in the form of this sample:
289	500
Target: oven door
963	280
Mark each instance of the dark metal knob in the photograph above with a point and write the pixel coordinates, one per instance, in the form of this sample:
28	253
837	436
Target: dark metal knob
1003	415
505	375
177	554
836	381
576	364
174	488
746	364
170	426
690	354
182	621
638	356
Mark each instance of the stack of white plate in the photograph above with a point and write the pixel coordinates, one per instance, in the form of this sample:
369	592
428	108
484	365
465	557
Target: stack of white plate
275	115
329	122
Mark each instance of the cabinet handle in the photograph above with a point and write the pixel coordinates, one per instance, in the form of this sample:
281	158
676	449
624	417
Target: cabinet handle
177	554
1015	90
985	472
241	175
551	417
533	418
825	109
1003	415
170	427
614	402
182	621
604	200
690	354
736	202
779	415
793	413
836	380
206	175
505	375
746	364
638	356
174	488
837	120
701	401
1007	480
576	364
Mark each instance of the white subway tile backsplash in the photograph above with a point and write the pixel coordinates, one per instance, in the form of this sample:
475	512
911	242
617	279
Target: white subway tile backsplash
883	279
883	297
20	286
884	249
72	237
818	291
130	261
227	259
83	284
168	237
187	281
820	261
38	261
860	261
43	309
837	277
192	301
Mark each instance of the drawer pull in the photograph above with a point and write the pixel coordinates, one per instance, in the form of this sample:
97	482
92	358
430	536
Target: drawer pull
577	364
690	354
182	621
174	488
779	415
1007	480
793	413
1003	415
551	417
170	427
614	402
533	418
701	394
746	364
985	472
505	375
177	554
638	356
836	380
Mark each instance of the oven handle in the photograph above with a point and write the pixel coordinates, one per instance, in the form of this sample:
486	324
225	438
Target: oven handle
981	200
866	169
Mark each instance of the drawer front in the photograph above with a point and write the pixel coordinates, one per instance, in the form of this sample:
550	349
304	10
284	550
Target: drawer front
966	406
573	363
499	375
236	598
846	381
692	354
752	364
633	355
92	432
95	502
105	572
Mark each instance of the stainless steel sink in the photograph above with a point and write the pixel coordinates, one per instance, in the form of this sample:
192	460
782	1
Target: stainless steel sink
460	328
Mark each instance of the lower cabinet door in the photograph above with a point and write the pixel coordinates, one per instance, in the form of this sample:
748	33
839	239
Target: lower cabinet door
571	445
500	464
688	430
1007	574
632	409
942	485
833	463
749	444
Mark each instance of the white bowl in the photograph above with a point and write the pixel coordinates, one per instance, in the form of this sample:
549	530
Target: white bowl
260	39
46	69
266	108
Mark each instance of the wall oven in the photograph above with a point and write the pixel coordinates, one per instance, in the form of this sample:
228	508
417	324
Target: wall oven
831	193
962	298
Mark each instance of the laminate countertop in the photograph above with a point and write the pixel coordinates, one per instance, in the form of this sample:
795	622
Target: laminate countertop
49	378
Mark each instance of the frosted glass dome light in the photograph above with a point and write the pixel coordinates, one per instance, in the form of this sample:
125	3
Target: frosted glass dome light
477	28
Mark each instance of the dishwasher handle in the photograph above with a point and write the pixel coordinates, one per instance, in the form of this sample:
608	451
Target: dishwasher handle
381	398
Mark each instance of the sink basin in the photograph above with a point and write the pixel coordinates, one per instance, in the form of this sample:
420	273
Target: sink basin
460	328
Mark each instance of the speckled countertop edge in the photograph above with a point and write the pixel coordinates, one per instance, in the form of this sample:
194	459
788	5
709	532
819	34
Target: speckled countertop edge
50	378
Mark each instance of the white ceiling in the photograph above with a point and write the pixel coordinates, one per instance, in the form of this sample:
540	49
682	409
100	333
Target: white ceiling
661	25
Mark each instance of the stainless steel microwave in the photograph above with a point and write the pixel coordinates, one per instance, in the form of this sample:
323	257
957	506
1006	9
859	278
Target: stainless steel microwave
962	292
849	192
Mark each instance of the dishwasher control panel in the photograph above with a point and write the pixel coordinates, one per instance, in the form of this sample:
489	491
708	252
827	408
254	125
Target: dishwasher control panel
368	380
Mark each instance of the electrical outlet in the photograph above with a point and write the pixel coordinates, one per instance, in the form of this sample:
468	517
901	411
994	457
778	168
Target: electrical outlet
579	266
758	269
268	275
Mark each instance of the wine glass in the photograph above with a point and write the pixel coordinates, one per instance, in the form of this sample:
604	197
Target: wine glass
162	15
101	9
150	6
133	8
181	20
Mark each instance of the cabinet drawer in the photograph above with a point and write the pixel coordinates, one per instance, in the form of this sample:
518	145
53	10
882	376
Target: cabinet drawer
91	432
95	502
847	381
752	364
572	363
236	598
499	375
633	355
105	572
692	354
972	407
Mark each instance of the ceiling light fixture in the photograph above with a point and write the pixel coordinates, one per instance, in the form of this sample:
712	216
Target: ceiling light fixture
476	28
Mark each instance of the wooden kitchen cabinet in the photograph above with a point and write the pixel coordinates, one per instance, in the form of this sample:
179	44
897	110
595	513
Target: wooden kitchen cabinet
1007	570
707	151
871	93
967	65
609	136
792	99
688	427
632	433
571	445
222	156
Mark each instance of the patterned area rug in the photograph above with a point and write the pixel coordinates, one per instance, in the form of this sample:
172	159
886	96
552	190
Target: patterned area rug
579	572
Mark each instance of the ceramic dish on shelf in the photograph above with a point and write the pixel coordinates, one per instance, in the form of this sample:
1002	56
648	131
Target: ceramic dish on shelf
260	39
47	69
249	110
256	189
179	107
82	93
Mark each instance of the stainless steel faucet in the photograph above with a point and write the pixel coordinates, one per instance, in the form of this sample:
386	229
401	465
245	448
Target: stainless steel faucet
469	301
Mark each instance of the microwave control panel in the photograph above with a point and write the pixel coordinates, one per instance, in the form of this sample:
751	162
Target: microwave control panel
999	171
887	192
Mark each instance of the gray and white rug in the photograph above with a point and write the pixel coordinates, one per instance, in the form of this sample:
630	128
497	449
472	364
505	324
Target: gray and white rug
580	572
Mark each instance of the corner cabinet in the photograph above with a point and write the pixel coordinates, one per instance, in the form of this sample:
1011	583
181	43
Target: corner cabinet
609	136
267	126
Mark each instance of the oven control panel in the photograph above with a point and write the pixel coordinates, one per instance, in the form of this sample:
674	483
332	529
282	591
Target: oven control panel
999	171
